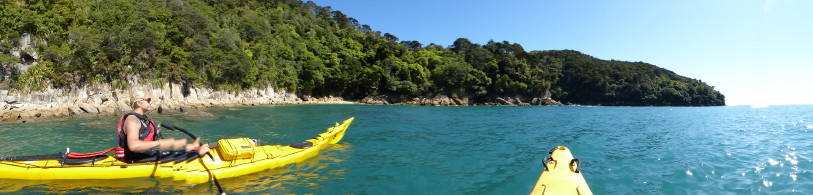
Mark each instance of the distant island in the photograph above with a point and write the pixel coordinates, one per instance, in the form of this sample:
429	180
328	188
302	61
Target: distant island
303	49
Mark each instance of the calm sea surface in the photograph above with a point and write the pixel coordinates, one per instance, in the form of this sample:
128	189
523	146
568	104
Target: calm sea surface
472	150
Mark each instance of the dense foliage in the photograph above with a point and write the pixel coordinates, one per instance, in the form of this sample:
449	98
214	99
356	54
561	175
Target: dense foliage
312	50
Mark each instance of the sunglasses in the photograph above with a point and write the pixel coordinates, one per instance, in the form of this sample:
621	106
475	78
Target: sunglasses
149	100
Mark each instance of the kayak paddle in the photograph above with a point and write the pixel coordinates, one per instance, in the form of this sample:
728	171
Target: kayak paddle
173	127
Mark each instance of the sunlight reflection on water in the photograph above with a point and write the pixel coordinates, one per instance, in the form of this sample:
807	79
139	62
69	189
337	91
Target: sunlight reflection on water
486	150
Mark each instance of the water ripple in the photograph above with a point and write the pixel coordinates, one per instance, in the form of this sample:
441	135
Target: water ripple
487	150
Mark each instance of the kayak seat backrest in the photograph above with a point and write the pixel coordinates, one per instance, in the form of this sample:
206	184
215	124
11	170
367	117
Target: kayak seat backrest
86	160
301	145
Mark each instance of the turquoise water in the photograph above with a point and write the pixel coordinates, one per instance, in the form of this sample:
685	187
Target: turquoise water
474	150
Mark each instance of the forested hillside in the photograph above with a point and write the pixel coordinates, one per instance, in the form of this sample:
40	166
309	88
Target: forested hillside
310	50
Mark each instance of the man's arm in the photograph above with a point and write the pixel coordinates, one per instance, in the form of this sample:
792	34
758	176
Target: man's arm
132	125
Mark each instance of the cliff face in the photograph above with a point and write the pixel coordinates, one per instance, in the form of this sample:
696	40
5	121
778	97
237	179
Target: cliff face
20	55
104	100
96	100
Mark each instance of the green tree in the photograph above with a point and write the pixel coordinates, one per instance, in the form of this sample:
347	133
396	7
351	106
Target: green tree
310	50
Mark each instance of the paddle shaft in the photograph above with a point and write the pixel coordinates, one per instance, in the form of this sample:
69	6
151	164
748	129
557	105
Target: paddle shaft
219	188
187	132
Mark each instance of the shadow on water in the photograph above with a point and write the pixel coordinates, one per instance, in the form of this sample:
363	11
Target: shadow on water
296	178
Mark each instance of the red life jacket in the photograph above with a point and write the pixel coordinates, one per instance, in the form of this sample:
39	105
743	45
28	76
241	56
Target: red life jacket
147	132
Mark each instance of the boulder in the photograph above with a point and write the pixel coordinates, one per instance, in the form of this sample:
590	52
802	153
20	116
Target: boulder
461	101
11	100
551	102
58	112
198	113
107	108
97	100
122	107
28	115
170	106
375	100
24	115
439	100
545	101
7	116
503	101
87	108
518	101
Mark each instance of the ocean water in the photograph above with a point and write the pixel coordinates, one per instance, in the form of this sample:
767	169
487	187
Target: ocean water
472	150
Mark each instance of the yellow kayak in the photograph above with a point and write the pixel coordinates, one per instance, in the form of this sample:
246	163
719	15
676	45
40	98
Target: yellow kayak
232	158
561	175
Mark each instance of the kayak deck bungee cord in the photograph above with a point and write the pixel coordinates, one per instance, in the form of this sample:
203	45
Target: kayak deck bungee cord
561	175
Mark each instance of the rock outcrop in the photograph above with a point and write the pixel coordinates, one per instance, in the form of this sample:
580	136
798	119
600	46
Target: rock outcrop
376	100
442	100
23	49
454	100
522	101
100	100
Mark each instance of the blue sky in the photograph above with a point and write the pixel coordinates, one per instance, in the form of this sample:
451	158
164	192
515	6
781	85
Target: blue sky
756	52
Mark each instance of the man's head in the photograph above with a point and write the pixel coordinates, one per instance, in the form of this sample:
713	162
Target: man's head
141	101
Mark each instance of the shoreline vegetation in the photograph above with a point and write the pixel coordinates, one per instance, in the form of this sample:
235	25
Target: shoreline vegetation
76	57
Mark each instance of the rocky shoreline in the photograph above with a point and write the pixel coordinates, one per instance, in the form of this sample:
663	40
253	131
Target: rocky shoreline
443	100
103	100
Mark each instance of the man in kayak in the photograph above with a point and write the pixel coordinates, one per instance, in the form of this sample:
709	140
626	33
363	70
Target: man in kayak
138	134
